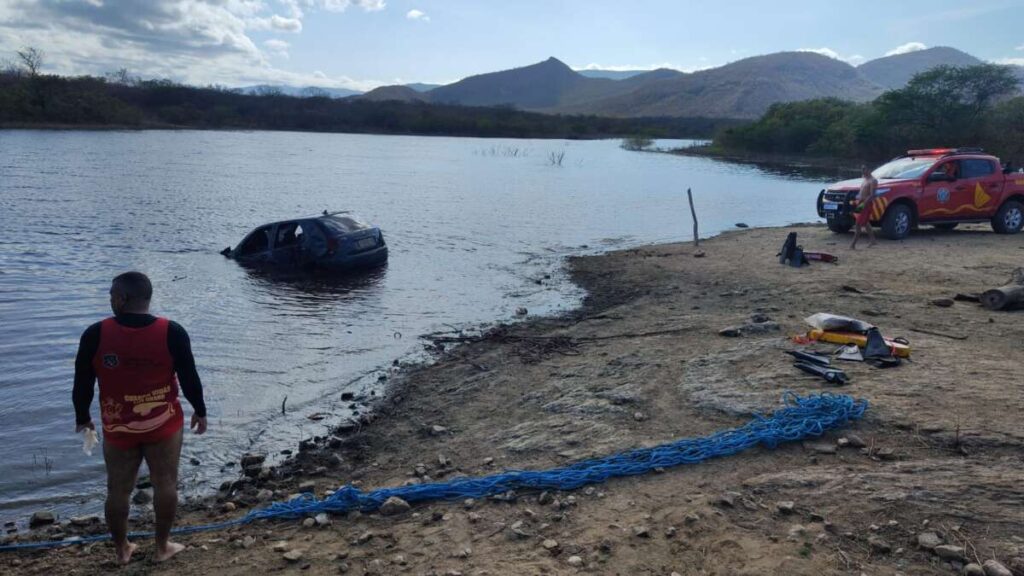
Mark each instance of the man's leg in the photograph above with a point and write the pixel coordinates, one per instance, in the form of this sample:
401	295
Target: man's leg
162	459
856	235
871	235
122	470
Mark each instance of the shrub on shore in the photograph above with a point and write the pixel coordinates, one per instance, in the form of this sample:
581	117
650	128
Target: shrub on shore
945	106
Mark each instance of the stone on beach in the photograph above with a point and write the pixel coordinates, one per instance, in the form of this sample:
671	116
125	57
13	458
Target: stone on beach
994	568
393	506
41	518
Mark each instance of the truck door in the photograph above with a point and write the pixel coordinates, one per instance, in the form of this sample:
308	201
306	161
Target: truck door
981	185
938	201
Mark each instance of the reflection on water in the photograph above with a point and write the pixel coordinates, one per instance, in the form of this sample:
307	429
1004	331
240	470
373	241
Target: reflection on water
316	288
472	237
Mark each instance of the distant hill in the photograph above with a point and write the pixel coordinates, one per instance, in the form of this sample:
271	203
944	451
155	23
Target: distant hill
394	94
421	87
742	89
895	71
299	92
538	86
610	74
548	86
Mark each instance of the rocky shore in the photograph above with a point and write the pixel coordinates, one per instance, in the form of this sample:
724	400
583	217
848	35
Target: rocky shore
930	482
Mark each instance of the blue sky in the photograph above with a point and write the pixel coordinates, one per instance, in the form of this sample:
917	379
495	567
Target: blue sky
365	43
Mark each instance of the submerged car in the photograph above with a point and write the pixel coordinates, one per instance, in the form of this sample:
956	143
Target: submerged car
332	242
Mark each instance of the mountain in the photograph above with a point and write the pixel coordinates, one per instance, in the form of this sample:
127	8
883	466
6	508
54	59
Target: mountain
547	86
299	92
541	85
895	71
742	89
610	74
421	87
394	93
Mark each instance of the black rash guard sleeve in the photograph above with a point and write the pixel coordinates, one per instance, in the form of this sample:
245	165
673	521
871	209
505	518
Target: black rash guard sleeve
85	376
185	366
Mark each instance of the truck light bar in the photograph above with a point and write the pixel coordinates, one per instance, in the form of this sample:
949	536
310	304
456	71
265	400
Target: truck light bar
930	151
943	151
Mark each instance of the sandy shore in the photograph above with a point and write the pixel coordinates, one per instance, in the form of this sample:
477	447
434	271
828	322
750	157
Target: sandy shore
942	455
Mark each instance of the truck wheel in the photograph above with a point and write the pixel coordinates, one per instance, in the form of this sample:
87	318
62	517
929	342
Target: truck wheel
897	222
946	226
1009	218
840	226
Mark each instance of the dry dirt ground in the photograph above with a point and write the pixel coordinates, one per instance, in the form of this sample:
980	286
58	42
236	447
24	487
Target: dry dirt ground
943	454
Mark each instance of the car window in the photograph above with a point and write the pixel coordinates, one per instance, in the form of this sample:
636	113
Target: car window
951	168
976	168
342	224
256	242
288	234
904	167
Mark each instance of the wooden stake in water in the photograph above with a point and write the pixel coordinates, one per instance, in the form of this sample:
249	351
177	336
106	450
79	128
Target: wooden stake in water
696	239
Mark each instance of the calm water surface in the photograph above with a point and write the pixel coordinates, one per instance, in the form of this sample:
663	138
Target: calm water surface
472	225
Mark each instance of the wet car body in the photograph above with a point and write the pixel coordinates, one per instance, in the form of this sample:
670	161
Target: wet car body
329	242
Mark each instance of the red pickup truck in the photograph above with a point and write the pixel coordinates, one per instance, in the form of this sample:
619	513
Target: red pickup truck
941	187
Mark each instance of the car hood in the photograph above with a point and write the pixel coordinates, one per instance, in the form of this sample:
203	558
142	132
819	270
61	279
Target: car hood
854	183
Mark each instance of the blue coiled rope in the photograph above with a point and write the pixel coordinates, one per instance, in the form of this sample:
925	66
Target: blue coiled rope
799	418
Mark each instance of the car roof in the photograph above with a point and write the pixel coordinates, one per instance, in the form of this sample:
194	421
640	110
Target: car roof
332	215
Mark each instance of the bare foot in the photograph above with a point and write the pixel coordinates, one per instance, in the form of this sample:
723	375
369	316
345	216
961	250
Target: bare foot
168	551
124	554
870	244
853	246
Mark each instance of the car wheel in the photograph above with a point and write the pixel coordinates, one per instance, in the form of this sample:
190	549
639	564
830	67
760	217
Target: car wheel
897	222
1009	218
840	226
945	226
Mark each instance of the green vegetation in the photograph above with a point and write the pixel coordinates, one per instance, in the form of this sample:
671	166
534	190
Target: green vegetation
636	143
29	98
943	107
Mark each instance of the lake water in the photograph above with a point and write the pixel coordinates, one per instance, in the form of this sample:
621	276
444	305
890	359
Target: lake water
472	225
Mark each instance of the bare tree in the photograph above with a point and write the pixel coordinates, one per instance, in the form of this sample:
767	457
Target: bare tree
31	60
122	77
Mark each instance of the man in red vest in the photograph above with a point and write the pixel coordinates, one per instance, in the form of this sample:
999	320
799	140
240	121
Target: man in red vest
139	360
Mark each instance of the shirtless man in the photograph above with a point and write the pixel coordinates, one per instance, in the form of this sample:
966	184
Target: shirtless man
138	359
865	200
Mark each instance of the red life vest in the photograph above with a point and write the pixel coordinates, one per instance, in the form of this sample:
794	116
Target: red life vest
138	387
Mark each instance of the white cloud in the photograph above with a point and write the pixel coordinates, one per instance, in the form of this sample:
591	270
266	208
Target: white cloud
285	24
415	14
191	41
852	60
1010	61
342	5
1021	47
277	47
906	48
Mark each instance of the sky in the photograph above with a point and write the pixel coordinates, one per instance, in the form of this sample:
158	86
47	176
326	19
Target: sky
361	44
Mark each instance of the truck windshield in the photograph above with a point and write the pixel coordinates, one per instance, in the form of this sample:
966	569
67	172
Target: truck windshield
905	167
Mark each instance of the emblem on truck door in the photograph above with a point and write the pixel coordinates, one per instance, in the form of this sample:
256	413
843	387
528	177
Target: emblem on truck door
942	195
980	197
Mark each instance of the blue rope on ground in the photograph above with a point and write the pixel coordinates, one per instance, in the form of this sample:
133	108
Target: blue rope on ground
799	418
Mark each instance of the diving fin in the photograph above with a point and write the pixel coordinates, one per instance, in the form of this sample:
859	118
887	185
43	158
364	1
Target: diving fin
821	257
876	346
831	375
809	357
